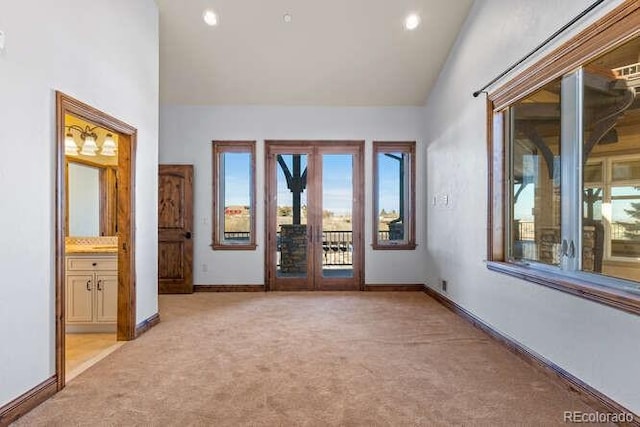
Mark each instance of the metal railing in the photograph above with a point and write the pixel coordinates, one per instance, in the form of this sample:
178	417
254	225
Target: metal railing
631	71
337	246
237	235
526	231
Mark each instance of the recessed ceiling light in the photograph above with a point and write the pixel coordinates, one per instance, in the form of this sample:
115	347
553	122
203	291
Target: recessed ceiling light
210	17
412	21
287	18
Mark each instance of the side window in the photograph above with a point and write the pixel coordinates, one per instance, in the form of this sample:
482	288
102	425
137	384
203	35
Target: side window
394	195
565	172
234	195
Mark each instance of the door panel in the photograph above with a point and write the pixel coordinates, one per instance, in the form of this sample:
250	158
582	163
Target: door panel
107	298
290	257
175	221
314	215
337	216
79	297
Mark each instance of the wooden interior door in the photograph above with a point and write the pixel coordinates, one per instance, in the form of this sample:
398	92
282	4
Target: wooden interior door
175	225
314	215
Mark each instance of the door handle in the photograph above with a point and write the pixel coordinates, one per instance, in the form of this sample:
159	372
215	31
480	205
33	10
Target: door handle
89	285
572	250
99	283
187	235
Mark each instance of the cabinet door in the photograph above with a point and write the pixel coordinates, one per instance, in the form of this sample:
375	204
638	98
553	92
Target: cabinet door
79	297
106	308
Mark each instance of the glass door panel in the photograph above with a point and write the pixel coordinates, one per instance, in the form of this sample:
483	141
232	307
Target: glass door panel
535	173
611	165
292	228
337	215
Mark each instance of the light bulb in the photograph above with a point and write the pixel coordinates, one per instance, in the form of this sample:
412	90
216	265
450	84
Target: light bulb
412	21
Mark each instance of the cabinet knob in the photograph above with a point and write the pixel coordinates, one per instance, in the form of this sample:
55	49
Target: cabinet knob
99	283
94	264
89	285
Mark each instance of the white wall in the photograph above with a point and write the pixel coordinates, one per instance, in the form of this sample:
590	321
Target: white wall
105	54
598	344
186	133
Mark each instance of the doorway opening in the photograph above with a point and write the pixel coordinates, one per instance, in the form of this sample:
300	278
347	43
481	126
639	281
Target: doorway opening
95	287
315	215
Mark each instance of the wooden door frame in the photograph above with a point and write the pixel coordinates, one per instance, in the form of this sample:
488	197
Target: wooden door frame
126	324
304	147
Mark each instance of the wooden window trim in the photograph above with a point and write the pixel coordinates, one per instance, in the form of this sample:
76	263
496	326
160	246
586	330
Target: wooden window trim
219	147
615	28
403	146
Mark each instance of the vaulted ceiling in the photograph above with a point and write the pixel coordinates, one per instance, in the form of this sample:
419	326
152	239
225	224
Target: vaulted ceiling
333	52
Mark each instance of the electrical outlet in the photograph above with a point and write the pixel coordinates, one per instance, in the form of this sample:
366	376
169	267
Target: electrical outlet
444	286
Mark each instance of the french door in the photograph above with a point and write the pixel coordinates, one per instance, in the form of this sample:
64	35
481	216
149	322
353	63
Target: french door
314	215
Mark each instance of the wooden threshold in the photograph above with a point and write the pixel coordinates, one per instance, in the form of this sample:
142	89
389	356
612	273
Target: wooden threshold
418	287
147	324
27	401
589	395
228	288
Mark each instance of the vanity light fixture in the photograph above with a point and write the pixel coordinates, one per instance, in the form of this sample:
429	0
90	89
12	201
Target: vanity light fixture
412	21
210	18
108	146
89	147
70	146
89	144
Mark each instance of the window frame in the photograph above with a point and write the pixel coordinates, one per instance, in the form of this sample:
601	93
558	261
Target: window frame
612	30
219	148
607	184
410	242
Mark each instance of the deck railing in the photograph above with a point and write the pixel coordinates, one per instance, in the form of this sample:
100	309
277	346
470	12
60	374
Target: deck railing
337	246
628	72
526	231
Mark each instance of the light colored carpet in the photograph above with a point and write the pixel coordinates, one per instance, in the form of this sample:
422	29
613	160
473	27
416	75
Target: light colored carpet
352	358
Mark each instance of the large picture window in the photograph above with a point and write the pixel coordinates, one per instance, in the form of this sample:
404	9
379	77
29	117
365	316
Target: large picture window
234	195
394	195
565	154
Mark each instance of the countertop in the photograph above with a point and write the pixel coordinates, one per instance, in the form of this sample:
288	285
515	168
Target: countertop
90	249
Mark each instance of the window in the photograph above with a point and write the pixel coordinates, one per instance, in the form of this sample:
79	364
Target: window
234	195
394	195
565	167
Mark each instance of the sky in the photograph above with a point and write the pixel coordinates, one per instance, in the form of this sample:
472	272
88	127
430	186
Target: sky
337	184
237	176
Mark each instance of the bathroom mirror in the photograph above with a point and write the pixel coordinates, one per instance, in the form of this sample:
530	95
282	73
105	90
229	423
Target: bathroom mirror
91	200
